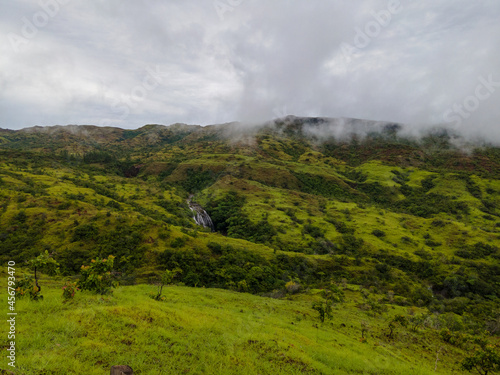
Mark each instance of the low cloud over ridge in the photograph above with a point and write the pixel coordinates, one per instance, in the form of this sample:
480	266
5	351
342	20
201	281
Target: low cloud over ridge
130	63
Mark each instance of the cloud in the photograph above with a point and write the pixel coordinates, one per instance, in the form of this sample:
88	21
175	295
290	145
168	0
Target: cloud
90	63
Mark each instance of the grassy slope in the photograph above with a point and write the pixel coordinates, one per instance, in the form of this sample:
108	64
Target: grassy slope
212	331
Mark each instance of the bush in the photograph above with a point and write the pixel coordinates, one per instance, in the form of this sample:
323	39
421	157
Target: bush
329	297
69	290
114	204
85	232
397	321
484	360
313	231
98	277
378	233
20	217
438	223
292	287
166	278
178	242
477	251
26	287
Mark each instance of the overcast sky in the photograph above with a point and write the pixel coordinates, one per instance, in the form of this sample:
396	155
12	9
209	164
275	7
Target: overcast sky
130	62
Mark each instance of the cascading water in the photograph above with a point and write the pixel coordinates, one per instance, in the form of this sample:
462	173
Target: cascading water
201	217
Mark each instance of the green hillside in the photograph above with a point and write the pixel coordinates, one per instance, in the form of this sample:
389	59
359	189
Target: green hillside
213	331
403	225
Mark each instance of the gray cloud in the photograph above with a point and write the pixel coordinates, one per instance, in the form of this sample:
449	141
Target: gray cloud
91	62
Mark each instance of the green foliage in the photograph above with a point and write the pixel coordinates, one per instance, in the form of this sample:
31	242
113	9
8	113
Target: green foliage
69	290
166	278
53	198
124	242
378	233
355	175
485	360
419	203
173	207
197	180
226	212
397	321
416	321
293	287
98	157
341	226
42	263
329	297
228	218
85	232
313	231
178	242
324	310
428	183
477	251
98	277
26	287
314	184
472	187
350	244
114	204
234	268
20	217
378	193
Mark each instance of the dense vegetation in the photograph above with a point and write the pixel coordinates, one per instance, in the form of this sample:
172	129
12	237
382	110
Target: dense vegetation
415	223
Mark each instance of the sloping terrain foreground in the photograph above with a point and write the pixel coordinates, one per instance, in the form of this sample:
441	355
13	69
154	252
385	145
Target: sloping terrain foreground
213	331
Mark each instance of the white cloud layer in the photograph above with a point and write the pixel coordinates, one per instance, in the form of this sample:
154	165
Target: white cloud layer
127	63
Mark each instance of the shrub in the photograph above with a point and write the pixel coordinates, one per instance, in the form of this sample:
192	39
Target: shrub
438	223
178	242
378	233
85	232
114	204
97	277
166	278
313	231
26	287
484	360
292	287
20	217
329	297
477	251
69	290
398	320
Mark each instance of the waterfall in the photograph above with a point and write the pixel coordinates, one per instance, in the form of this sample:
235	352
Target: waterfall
200	215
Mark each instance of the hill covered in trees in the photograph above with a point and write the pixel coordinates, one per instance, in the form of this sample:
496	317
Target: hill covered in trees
407	221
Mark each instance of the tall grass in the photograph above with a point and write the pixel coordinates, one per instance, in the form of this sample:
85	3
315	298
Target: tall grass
200	331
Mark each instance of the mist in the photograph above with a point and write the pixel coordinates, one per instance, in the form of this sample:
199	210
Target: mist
125	64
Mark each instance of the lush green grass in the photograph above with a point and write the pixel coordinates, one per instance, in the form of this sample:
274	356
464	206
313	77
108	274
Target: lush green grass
211	331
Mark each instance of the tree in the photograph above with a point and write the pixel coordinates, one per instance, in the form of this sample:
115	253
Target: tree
98	277
398	320
416	321
42	263
166	278
329	298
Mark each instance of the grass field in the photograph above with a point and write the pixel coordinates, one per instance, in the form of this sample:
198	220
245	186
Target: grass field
212	331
